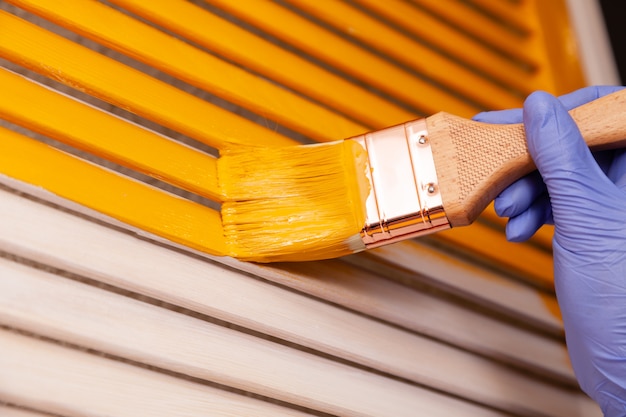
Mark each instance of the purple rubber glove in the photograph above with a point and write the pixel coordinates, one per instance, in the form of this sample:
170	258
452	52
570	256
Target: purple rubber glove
586	200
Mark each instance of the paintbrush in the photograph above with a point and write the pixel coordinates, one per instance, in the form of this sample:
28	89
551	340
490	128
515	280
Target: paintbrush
328	200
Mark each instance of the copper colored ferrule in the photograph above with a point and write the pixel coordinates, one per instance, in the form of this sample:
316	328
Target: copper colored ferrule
404	201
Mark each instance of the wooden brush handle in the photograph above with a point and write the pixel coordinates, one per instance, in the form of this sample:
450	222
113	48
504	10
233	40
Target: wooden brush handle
476	161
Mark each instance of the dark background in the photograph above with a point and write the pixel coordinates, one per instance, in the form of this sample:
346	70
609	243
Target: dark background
615	18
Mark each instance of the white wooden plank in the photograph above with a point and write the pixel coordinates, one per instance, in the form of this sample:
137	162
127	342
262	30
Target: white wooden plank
71	383
363	291
462	278
124	327
57	234
67	310
7	411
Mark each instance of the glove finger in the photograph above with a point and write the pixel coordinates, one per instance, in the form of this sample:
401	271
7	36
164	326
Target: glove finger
585	95
500	116
523	226
581	195
617	170
520	195
558	149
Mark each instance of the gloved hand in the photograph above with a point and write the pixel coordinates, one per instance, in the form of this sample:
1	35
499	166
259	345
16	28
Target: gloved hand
586	200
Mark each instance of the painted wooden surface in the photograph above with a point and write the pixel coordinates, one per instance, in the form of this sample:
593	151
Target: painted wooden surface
102	314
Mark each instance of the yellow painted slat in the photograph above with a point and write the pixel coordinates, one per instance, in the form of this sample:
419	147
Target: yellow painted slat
420	58
453	42
269	60
155	48
514	13
129	201
59	117
559	45
79	67
338	52
468	19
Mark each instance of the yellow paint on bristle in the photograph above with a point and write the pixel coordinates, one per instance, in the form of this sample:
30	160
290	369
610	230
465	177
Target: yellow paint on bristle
295	203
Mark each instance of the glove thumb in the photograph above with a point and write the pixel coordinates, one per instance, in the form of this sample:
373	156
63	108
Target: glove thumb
574	180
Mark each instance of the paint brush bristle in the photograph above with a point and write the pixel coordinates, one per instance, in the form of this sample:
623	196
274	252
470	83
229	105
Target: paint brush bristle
293	203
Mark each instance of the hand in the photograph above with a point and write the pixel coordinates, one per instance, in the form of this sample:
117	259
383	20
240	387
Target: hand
584	194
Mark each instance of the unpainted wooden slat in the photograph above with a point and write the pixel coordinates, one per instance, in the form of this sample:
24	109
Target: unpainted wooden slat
356	290
532	263
347	57
9	411
43	304
85	127
363	290
512	298
179	59
71	383
269	60
79	67
111	194
427	62
225	294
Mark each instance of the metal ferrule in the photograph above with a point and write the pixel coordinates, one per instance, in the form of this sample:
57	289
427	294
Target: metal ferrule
404	201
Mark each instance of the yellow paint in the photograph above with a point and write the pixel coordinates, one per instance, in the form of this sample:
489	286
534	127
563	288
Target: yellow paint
477	25
455	43
173	56
129	201
60	59
558	47
74	123
347	57
293	203
97	75
417	56
273	62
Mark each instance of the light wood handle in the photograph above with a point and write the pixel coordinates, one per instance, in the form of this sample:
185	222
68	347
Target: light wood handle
476	161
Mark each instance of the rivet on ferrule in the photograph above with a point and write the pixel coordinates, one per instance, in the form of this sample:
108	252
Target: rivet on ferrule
404	201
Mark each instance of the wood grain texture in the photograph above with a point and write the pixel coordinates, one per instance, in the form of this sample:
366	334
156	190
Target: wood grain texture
476	161
8	411
186	62
214	291
65	310
72	383
218	292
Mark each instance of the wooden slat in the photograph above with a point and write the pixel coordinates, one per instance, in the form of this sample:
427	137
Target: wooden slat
217	292
347	57
129	201
535	264
420	58
92	130
175	57
464	16
71	383
511	12
485	334
8	411
454	42
81	68
516	300
214	353
271	61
